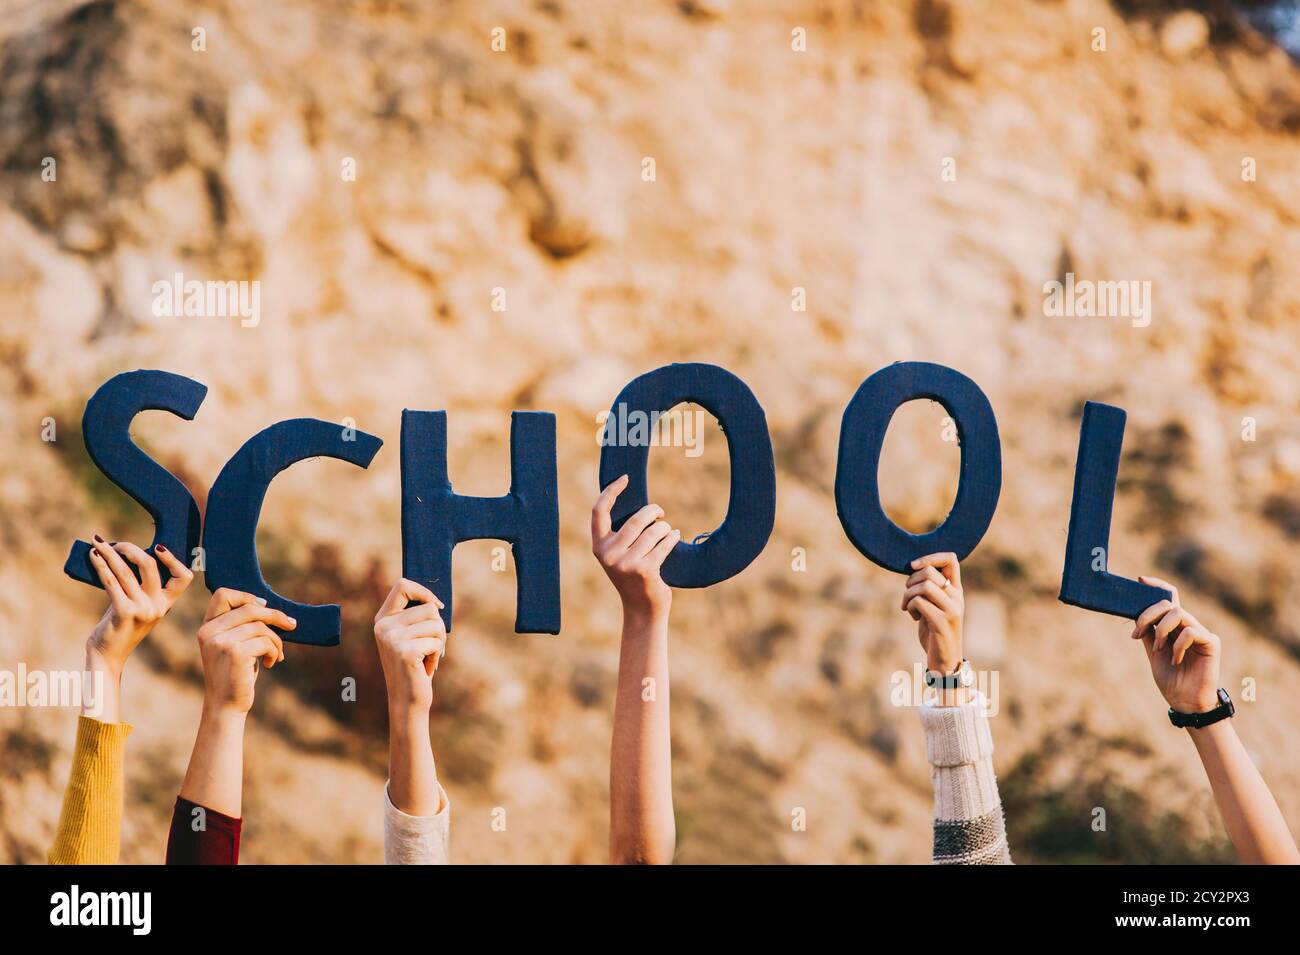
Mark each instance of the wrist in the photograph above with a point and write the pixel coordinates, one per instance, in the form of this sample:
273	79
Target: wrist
1214	734
943	664
408	720
1197	703
222	714
642	615
1201	718
98	660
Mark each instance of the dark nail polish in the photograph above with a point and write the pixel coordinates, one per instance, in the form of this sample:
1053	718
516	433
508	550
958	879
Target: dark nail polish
160	548
98	539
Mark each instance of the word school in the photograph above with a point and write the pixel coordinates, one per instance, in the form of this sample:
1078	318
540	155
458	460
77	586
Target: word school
434	518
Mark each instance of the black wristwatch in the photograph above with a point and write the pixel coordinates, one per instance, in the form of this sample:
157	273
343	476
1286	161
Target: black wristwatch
1198	721
963	676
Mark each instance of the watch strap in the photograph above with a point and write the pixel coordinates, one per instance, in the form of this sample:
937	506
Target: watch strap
950	681
1196	721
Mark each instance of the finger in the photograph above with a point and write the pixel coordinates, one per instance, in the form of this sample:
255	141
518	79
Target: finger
403	592
245	632
1170	622
421	647
601	523
414	615
1157	582
149	577
932	614
649	539
1204	642
108	579
181	576
942	596
267	649
1149	616
638	522
429	651
279	647
130	586
926	573
665	547
932	592
420	630
223	600
253	612
1190	637
946	563
920	577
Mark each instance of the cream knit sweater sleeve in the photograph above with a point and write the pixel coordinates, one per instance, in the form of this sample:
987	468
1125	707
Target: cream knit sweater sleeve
416	840
969	828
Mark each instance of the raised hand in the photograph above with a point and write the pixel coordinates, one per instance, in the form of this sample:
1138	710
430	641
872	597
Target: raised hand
632	556
412	642
1185	658
1184	655
933	597
234	639
642	828
134	606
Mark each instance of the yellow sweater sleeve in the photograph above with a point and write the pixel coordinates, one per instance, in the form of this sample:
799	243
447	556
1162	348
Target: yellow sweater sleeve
90	824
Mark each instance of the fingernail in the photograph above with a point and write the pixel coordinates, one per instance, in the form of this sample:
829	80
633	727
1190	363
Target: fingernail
261	600
292	621
160	548
98	539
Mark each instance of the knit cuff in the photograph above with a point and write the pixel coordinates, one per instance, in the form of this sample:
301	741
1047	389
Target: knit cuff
90	822
416	840
957	735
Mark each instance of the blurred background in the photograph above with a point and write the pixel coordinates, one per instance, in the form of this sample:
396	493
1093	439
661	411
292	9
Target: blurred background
912	176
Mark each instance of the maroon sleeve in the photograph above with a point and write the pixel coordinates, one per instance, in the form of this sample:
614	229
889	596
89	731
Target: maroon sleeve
202	836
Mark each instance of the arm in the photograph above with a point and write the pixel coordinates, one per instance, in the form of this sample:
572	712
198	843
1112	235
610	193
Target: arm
234	639
1184	659
969	828
642	828
90	822
412	642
